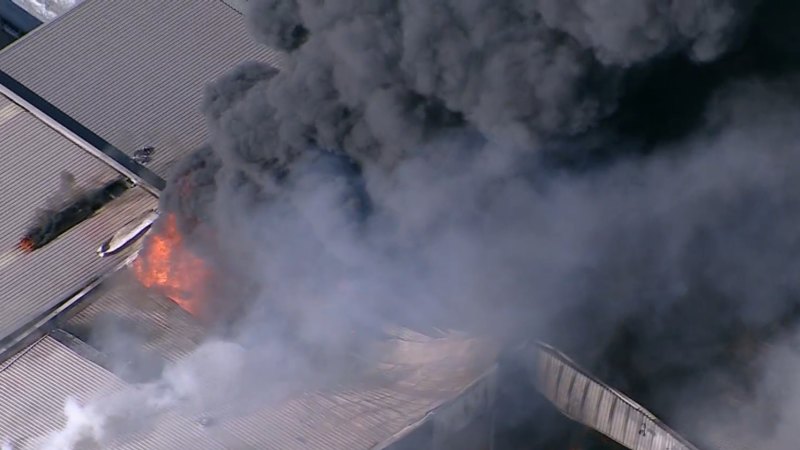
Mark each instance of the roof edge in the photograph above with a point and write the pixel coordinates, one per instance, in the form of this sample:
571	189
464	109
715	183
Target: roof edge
49	320
82	136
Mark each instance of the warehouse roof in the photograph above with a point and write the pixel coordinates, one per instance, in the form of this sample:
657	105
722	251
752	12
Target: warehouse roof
27	420
133	72
83	93
414	384
587	400
34	159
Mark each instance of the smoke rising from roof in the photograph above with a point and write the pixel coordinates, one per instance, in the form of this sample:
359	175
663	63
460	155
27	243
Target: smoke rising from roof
379	78
397	171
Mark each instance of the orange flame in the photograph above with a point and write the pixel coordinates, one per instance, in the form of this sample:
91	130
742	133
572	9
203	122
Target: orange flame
166	265
26	244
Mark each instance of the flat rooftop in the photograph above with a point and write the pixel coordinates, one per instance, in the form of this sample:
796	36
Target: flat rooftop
134	71
35	159
82	94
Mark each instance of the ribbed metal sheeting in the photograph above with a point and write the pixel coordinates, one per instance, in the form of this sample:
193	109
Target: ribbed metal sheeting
167	329
134	71
401	394
590	402
35	384
32	158
238	5
344	420
375	414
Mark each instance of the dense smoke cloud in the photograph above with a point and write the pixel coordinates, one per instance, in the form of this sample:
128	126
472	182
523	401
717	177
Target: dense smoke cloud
396	172
445	107
379	78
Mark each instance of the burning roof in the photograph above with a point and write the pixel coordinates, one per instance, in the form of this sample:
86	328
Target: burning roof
34	157
449	111
169	266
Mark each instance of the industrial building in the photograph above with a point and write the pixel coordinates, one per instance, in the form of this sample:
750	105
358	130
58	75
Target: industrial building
82	95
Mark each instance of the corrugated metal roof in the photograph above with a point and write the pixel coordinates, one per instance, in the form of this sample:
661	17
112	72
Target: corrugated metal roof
131	71
32	398
33	158
346	420
238	5
372	413
164	328
367	415
417	375
590	402
79	134
35	384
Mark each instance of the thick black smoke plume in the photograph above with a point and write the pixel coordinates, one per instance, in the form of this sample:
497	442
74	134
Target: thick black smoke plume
615	176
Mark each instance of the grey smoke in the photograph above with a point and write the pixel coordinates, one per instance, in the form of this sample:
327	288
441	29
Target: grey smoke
629	31
392	173
390	84
375	77
687	250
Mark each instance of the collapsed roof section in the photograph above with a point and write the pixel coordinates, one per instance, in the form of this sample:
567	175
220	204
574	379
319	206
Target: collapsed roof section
589	401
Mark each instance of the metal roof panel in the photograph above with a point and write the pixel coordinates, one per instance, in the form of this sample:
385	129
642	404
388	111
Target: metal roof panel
34	156
372	414
130	71
163	326
32	400
600	407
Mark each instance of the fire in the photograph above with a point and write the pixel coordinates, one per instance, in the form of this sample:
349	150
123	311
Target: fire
27	244
166	265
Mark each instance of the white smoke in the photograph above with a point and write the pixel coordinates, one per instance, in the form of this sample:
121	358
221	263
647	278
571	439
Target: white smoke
460	233
206	380
83	423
